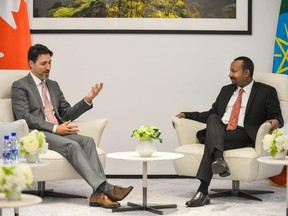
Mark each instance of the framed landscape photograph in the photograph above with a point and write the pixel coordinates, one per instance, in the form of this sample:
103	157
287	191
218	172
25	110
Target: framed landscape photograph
141	16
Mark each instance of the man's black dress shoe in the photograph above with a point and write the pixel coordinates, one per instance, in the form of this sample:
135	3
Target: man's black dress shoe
220	167
199	199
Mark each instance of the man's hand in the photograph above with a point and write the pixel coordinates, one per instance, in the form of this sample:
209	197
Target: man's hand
274	124
66	128
95	90
180	115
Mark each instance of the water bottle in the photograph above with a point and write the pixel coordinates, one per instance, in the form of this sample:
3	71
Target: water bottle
6	151
14	148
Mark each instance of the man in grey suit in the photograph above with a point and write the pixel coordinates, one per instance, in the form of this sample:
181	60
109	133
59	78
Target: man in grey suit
30	102
259	103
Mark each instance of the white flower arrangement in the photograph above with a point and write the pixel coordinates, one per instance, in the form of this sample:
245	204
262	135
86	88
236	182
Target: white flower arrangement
277	142
34	142
145	133
15	178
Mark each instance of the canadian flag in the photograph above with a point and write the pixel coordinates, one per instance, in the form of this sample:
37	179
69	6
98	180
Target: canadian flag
15	37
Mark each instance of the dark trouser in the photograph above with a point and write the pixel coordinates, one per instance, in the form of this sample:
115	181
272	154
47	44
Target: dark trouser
217	137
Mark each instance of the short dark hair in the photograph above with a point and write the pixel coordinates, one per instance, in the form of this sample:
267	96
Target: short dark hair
247	64
35	51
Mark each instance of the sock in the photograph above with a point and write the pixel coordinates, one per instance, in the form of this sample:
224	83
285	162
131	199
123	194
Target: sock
105	187
217	153
203	187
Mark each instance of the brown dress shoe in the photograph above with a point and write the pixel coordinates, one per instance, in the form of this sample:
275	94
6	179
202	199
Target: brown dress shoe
119	193
102	200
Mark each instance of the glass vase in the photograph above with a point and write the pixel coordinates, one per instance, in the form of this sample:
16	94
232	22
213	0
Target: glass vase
32	158
14	195
145	148
280	155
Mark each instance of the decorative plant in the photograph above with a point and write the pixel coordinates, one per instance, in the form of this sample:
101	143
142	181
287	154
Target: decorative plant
34	142
276	142
146	133
15	178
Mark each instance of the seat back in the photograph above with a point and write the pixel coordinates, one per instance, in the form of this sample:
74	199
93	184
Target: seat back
280	83
7	77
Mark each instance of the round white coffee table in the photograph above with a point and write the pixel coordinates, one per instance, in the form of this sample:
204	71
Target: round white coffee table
272	161
26	200
134	156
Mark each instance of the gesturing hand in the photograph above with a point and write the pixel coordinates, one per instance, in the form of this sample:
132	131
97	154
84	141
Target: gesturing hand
95	90
66	128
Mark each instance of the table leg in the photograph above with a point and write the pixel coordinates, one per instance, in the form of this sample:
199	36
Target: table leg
286	191
144	206
16	211
0	211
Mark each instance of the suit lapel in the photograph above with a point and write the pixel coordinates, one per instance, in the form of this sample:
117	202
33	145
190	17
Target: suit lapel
53	98
226	99
34	88
251	97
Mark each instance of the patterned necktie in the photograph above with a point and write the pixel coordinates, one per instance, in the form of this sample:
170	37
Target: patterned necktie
233	120
48	106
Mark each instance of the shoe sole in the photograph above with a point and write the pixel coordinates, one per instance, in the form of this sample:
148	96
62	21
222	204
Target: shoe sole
103	206
225	174
218	169
206	203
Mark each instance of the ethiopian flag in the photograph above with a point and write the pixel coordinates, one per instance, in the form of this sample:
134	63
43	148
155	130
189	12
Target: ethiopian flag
280	63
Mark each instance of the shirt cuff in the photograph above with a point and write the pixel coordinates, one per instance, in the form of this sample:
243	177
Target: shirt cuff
54	129
87	102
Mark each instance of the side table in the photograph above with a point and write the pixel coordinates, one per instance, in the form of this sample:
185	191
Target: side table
272	161
134	156
26	200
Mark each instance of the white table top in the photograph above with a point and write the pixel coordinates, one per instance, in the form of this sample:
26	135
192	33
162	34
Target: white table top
272	161
157	156
23	161
26	200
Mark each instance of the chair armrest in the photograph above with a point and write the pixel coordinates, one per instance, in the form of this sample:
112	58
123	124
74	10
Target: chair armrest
186	130
262	131
92	128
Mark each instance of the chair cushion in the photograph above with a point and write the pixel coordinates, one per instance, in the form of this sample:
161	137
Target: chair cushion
20	127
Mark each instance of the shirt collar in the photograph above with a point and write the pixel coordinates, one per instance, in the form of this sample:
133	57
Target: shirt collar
36	79
247	88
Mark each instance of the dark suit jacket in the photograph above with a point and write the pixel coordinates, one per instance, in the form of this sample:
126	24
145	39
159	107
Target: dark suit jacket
27	104
263	104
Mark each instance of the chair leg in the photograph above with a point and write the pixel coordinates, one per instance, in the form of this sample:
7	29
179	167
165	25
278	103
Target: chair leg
235	191
42	192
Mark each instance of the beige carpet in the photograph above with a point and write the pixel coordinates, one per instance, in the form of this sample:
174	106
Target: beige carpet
161	191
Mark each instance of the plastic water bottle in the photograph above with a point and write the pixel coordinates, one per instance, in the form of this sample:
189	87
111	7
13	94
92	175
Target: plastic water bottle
6	151
14	148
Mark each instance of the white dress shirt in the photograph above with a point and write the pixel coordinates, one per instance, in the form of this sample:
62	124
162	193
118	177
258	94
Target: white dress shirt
245	97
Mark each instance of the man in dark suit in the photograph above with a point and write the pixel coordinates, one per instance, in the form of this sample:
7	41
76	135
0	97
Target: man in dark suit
227	128
40	101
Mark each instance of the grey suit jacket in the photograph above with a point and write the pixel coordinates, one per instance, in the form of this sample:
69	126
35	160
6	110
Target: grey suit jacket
27	104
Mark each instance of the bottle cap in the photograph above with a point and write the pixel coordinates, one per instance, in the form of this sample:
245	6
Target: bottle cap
13	134
6	137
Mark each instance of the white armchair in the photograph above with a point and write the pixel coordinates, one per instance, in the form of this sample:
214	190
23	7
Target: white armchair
242	162
58	168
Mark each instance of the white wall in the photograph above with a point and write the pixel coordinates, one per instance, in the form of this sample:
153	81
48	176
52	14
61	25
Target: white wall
150	78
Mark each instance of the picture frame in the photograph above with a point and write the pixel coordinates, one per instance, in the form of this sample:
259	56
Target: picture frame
242	24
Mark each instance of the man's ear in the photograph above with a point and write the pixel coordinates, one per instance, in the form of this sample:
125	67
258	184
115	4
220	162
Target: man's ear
31	63
247	72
